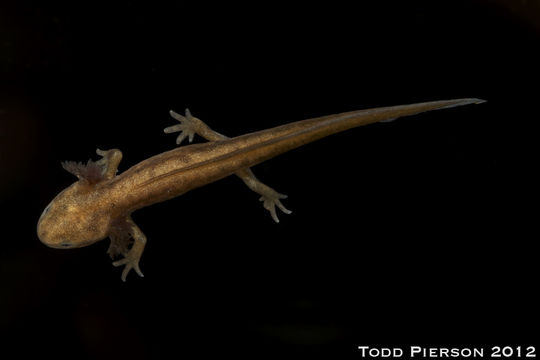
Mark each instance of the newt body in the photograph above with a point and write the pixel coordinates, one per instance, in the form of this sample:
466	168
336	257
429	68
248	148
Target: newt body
99	205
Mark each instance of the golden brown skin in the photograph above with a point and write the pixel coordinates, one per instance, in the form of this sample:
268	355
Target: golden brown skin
99	205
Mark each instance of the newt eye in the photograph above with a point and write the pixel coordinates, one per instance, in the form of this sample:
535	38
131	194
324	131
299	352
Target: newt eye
64	244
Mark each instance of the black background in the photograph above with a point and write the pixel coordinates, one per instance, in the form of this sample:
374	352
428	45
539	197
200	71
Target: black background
415	232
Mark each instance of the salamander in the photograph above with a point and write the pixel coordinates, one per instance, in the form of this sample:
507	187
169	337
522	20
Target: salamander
100	203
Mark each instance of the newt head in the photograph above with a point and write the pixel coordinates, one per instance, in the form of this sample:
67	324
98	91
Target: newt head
71	219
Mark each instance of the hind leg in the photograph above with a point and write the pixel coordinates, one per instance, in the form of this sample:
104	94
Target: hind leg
190	125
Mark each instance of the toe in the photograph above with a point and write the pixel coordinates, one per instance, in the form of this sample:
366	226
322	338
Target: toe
173	128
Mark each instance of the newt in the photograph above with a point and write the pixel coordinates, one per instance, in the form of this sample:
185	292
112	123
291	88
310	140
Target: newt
100	203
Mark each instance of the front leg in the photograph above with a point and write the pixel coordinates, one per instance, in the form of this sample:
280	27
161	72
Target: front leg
120	235
190	125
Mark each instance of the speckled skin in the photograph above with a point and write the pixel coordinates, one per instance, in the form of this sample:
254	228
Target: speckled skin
96	207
